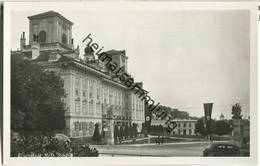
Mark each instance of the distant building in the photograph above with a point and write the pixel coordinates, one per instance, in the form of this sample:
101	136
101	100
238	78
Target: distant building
91	89
184	126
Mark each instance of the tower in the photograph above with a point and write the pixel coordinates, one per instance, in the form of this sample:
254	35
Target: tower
22	41
119	57
51	30
222	117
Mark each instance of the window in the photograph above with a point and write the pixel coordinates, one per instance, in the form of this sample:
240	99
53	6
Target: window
87	126
77	82
91	108
84	88
77	92
98	109
64	38
77	105
119	98
91	86
85	84
42	37
189	125
105	95
184	125
80	126
110	97
98	91
115	98
84	107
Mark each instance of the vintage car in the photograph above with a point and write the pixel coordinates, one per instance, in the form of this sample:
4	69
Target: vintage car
222	149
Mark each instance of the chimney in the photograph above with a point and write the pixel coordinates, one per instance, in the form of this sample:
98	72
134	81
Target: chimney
22	41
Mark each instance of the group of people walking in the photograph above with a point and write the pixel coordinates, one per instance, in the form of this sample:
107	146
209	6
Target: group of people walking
159	140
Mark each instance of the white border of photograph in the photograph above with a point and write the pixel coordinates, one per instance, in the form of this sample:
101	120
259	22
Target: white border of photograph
251	6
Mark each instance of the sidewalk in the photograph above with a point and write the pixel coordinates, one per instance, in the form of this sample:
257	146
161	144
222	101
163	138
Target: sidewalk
172	143
152	136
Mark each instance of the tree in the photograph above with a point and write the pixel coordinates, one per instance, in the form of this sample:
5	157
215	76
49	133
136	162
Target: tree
116	132
144	129
221	127
121	132
96	136
130	131
126	132
199	127
36	97
135	132
236	111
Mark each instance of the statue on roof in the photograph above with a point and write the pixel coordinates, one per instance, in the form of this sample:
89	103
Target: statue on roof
89	53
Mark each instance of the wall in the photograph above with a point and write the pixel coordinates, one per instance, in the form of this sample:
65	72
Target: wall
77	81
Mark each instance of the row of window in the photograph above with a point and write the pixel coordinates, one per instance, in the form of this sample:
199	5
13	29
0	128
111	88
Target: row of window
87	108
140	115
42	37
184	125
110	95
78	126
137	103
185	132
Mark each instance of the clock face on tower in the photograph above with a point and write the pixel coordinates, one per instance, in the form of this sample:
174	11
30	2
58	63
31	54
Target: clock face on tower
147	118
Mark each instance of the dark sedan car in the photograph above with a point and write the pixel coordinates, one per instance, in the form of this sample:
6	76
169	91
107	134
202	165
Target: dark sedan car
221	149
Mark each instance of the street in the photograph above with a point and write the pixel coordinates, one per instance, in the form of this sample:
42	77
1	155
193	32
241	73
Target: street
165	150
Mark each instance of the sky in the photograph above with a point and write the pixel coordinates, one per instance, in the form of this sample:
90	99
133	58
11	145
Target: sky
183	57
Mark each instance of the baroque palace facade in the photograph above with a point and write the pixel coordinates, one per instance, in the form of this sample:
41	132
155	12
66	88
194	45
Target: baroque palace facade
91	89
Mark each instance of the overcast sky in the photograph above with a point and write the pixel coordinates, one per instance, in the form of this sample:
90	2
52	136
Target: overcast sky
184	58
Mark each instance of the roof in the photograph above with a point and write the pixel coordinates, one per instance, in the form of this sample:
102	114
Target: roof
115	52
49	14
27	54
184	120
45	55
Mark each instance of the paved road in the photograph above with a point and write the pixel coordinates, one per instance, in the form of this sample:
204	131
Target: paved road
166	150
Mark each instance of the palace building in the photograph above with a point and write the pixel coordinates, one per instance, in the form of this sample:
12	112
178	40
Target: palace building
90	87
184	126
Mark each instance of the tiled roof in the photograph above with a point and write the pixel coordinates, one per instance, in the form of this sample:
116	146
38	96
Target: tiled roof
115	52
24	54
49	14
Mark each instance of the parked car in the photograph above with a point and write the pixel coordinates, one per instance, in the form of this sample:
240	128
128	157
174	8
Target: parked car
222	149
245	150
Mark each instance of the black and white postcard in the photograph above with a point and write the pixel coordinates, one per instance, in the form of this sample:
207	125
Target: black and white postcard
130	83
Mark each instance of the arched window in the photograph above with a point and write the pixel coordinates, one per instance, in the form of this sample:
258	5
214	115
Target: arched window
42	37
64	38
